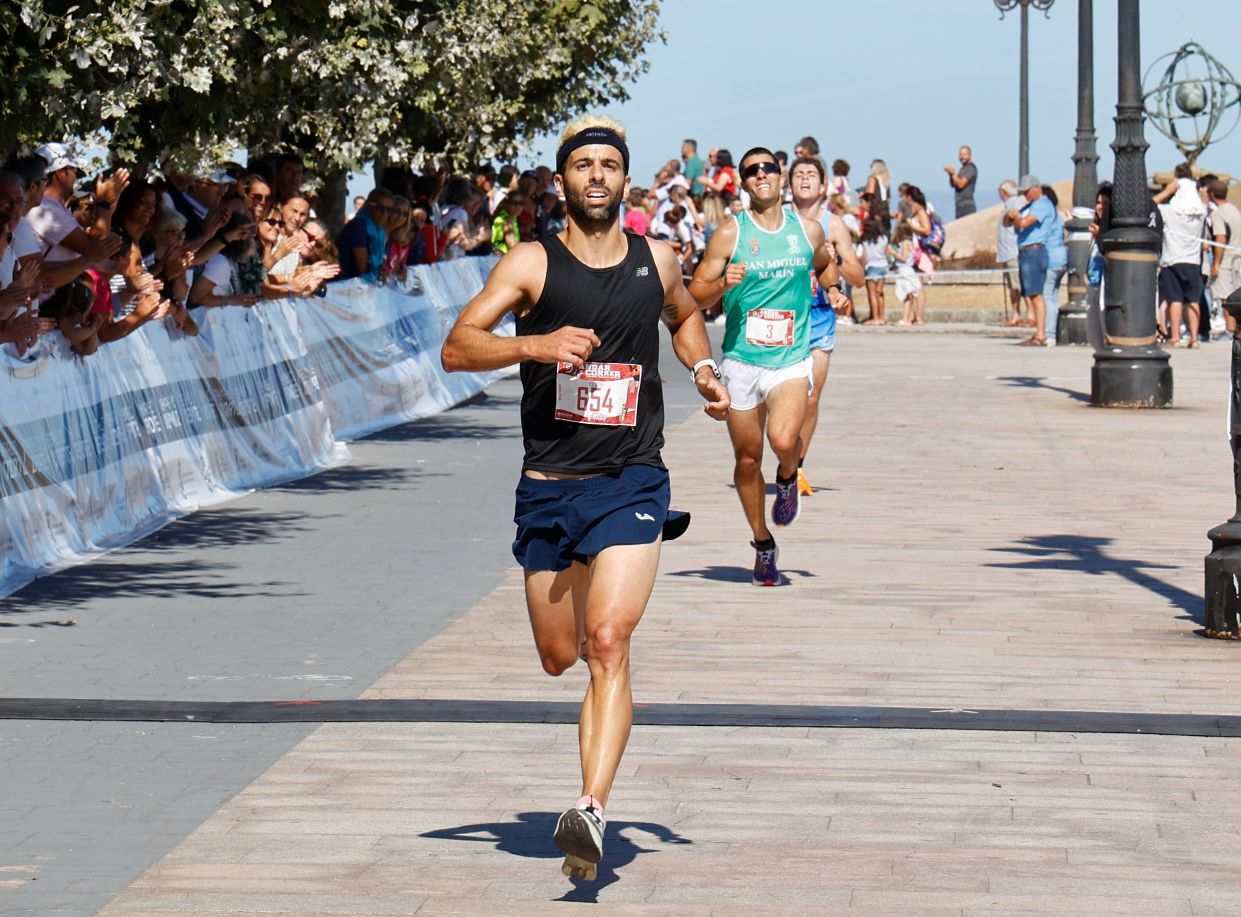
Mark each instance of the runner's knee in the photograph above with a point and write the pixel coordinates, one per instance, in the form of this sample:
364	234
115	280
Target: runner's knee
783	440
557	662
607	646
748	462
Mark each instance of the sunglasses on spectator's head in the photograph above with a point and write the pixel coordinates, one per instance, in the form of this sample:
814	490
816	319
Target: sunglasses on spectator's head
767	168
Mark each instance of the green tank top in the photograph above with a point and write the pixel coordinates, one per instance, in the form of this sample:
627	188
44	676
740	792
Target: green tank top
767	315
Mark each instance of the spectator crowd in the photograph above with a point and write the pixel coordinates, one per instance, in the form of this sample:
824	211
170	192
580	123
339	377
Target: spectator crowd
893	230
94	258
1199	252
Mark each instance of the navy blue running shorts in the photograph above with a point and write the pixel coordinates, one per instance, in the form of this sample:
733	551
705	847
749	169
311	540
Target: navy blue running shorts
560	521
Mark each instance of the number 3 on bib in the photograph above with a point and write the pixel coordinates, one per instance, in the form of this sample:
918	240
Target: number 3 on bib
600	394
769	327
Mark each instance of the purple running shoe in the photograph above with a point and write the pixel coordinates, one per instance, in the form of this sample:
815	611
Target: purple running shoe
787	506
765	572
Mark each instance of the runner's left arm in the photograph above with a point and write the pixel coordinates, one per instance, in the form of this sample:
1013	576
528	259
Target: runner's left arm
824	254
850	267
689	331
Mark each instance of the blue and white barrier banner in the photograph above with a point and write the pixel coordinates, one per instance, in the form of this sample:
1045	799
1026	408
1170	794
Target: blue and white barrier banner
98	452
376	349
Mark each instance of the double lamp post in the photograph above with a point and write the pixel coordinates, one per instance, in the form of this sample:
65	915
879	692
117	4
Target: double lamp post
1130	369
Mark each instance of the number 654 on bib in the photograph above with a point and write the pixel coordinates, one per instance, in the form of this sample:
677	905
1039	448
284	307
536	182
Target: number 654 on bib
601	394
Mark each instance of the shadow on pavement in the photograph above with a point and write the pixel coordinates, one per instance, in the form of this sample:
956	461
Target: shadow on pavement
1085	554
1037	382
531	836
722	574
221	528
771	489
491	402
353	477
440	428
79	585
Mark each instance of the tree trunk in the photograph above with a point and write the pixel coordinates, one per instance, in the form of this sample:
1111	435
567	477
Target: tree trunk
330	204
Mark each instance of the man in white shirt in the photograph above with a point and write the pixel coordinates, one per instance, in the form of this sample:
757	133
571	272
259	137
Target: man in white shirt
1180	263
66	248
669	177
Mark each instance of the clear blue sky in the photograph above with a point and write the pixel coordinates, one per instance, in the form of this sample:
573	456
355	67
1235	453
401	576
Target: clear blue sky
907	81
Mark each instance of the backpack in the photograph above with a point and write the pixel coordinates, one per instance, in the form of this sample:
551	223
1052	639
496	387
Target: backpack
933	242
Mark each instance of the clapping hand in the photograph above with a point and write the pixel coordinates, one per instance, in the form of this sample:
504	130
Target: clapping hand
215	221
109	189
103	246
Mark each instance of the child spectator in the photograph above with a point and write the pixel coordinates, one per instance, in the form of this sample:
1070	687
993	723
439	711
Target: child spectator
872	252
903	251
71	308
637	220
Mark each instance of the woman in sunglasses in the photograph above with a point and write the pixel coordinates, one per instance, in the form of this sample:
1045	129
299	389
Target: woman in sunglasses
759	263
279	247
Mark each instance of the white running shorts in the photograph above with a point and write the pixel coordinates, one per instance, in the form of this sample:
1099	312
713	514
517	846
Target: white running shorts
749	385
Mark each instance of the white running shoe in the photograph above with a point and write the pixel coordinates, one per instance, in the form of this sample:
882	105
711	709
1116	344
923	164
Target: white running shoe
579	833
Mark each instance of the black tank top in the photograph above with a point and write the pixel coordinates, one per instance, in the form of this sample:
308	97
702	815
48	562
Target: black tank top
624	305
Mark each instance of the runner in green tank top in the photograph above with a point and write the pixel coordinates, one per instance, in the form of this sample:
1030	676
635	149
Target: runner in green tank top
759	265
767	315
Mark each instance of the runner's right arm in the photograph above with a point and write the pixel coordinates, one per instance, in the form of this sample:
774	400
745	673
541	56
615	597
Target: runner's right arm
514	285
714	274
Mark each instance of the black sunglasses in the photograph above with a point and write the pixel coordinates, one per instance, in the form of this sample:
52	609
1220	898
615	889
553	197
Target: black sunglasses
767	168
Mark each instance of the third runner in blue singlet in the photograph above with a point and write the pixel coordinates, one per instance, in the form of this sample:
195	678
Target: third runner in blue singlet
759	264
806	178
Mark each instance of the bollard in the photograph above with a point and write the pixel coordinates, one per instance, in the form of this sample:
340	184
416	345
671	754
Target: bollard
1223	564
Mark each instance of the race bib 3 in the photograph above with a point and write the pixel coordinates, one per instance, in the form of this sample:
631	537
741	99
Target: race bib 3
769	327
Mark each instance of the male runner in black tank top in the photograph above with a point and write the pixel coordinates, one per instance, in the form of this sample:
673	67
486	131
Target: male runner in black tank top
592	499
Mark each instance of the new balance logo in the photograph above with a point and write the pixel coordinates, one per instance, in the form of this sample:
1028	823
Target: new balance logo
645	517
642	271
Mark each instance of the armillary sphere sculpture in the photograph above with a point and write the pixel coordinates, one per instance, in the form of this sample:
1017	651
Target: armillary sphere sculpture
1196	100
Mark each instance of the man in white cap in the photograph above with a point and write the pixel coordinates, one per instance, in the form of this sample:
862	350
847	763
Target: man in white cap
202	201
57	230
65	247
1033	222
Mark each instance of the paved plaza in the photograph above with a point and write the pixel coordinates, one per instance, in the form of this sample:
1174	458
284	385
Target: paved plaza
980	540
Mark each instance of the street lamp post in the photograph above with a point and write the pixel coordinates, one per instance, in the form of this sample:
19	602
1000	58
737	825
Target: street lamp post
1130	370
1223	564
1071	325
1023	142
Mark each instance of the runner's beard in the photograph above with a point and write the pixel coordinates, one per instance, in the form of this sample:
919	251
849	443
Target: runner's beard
592	215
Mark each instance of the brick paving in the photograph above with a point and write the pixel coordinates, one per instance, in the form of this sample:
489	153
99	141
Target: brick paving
980	538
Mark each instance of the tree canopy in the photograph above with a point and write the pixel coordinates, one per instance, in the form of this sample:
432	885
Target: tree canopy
345	81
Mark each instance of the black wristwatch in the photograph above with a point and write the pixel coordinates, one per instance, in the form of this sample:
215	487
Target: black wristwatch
837	287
